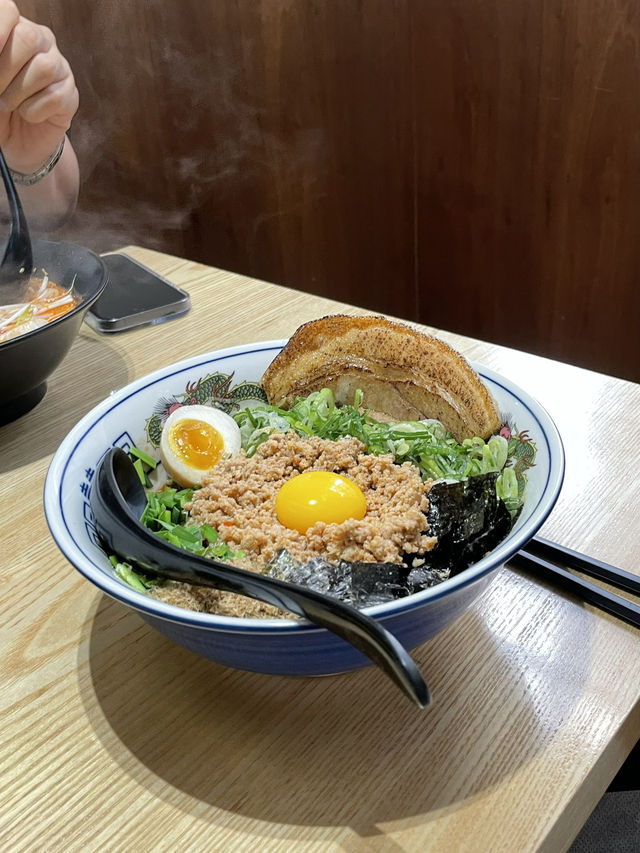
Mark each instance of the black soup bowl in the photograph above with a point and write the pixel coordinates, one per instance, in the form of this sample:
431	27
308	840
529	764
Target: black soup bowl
26	362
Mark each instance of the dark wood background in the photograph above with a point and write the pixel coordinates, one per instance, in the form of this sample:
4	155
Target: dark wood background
470	164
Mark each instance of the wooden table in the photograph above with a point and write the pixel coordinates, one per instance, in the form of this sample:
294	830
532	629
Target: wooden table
115	739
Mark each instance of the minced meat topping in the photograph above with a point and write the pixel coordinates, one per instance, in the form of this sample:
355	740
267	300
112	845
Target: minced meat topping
238	500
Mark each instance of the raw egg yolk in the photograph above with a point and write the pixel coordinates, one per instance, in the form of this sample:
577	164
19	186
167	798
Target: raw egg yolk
318	496
196	443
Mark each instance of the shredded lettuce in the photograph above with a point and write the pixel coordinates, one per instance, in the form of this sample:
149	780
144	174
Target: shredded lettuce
135	578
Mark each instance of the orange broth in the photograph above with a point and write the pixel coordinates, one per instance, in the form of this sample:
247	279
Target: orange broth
47	302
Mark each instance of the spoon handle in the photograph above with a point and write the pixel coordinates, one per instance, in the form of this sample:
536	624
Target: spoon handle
18	256
352	625
137	544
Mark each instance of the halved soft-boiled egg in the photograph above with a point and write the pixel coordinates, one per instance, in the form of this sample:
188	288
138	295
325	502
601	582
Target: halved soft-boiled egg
194	439
318	496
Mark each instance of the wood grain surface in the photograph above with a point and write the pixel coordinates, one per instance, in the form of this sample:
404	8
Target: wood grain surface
470	165
115	739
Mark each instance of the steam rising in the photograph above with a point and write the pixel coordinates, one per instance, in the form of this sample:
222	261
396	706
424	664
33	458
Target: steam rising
201	154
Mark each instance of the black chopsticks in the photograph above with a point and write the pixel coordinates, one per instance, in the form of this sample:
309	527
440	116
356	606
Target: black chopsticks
535	556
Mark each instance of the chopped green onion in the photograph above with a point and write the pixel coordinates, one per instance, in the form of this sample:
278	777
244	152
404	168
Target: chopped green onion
426	443
149	461
141	472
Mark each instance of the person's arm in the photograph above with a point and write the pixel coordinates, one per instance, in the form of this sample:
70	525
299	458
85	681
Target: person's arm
38	99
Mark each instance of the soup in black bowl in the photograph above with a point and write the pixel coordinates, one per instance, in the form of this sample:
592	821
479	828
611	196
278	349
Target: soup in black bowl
26	361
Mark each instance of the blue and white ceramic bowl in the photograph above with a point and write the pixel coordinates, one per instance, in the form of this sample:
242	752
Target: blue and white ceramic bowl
134	415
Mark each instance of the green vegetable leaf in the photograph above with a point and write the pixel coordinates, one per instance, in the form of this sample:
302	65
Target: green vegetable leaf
134	578
149	461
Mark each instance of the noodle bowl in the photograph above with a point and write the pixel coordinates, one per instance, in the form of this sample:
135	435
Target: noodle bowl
29	354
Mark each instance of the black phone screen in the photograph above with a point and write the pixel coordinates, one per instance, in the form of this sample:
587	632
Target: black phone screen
134	296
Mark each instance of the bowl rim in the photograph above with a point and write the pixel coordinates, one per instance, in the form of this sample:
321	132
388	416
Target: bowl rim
56	516
81	307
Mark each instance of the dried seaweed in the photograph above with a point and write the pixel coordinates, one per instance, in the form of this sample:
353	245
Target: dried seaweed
469	521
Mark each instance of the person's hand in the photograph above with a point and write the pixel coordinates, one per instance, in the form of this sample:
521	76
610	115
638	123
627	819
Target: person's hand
38	94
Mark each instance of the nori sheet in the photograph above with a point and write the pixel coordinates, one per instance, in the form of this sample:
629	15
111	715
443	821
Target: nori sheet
469	520
467	517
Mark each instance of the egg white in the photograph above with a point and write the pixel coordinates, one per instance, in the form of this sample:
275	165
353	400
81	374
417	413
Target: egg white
178	469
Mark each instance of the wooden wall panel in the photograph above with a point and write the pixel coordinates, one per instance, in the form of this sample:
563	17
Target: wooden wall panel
529	182
472	164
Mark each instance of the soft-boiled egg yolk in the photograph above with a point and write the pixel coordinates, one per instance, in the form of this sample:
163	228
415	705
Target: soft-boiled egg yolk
318	496
194	439
197	443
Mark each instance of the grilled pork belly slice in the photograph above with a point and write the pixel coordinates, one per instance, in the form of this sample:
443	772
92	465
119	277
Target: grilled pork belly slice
402	372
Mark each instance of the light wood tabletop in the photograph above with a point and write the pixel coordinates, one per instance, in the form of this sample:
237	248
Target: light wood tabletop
115	739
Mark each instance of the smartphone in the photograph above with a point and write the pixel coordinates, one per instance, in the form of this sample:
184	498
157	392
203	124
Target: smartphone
134	296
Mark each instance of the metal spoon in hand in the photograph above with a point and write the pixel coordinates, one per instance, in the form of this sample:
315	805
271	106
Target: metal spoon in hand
118	500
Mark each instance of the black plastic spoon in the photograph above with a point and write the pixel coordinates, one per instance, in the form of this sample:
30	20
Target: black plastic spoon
17	264
117	502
